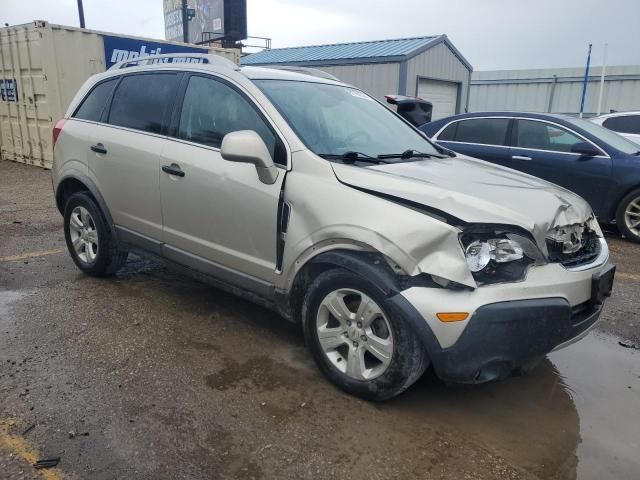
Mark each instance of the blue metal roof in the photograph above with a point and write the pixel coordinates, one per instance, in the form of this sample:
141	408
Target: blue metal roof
340	52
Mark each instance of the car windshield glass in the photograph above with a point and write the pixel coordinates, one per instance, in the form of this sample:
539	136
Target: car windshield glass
616	141
333	120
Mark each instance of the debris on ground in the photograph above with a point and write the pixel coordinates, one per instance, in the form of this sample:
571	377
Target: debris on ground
629	345
47	462
28	429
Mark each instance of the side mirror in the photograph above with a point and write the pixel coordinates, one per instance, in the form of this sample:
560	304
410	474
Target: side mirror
246	146
585	149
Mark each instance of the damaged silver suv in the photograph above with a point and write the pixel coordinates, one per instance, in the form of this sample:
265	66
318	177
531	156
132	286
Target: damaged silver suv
312	198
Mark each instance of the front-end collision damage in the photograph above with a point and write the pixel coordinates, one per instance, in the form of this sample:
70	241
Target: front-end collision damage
327	215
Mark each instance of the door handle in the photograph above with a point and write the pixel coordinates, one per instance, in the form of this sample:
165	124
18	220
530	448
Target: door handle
98	148
521	157
173	169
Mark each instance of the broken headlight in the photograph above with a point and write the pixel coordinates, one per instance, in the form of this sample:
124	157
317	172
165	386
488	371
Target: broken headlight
498	256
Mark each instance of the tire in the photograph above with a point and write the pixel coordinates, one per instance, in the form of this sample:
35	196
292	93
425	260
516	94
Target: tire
388	334
96	251
627	210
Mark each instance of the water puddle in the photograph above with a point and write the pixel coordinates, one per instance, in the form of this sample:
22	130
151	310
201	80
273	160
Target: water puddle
574	417
603	380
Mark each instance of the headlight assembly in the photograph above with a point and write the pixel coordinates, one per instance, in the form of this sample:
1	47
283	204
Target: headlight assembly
496	255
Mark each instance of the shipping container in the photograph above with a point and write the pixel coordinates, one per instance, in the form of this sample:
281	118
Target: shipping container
42	66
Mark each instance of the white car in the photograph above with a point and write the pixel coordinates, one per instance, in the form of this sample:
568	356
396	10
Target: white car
626	124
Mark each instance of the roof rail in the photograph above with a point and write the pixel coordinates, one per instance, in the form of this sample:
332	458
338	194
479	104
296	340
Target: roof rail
206	58
314	72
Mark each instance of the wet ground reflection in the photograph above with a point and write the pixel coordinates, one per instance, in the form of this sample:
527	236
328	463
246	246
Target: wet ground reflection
604	383
573	417
532	421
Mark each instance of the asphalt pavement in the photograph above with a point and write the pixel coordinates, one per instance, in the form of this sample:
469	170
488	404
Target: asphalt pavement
151	375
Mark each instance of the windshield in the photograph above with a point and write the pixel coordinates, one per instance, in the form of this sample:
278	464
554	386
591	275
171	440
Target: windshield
616	141
333	120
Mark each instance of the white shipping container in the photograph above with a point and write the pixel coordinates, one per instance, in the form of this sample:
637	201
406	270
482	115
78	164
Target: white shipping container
41	68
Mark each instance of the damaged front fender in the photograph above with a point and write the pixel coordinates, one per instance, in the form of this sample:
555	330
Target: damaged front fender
327	215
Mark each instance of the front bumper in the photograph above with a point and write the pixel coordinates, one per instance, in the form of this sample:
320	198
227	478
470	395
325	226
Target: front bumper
509	325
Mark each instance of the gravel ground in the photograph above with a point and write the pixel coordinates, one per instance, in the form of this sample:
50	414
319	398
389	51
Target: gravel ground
150	375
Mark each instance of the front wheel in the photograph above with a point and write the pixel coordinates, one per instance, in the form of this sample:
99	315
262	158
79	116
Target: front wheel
89	239
628	216
359	341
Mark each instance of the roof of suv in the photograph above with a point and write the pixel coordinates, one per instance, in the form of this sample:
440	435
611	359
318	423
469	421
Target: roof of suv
217	63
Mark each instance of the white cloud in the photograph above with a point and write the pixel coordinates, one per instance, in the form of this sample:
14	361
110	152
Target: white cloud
490	33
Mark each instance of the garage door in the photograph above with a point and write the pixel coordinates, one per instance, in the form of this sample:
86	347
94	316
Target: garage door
442	94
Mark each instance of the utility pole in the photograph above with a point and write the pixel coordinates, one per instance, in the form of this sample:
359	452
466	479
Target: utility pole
81	13
604	67
584	82
185	22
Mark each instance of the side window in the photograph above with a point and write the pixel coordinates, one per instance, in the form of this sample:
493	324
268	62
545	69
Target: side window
486	131
143	101
449	133
211	109
93	104
545	136
624	124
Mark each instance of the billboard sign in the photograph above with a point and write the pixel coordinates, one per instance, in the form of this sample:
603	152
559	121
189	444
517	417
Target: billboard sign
118	49
209	19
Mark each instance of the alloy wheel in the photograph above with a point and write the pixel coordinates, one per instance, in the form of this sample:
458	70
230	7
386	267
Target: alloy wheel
632	216
354	334
84	235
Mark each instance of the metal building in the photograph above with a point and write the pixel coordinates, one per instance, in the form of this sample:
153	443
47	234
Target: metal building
555	90
428	67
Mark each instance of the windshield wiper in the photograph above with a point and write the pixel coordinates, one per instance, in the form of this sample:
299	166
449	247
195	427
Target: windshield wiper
352	157
409	154
637	154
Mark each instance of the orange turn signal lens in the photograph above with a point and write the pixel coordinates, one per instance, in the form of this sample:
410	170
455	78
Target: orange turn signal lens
452	316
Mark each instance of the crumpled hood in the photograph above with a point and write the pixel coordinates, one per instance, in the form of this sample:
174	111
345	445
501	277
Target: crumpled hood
474	191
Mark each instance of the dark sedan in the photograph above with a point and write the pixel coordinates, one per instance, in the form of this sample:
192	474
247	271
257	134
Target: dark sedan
599	165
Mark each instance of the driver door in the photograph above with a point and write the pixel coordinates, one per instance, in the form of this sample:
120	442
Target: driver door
217	216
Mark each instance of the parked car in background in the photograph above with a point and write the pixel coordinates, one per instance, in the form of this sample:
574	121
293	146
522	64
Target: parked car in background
586	158
312	198
413	109
626	124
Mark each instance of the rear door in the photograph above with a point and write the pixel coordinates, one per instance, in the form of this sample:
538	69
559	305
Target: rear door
125	152
543	149
485	138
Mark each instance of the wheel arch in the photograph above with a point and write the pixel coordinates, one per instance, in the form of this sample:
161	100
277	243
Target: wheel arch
616	204
75	183
368	263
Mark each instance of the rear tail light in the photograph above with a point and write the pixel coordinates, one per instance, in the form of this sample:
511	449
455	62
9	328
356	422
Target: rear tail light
57	129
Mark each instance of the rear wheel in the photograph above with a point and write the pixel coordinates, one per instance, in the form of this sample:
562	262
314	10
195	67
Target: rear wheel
628	216
359	341
89	239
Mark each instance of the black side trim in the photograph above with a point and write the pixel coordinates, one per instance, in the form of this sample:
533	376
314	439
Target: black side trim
368	265
219	272
282	225
136	239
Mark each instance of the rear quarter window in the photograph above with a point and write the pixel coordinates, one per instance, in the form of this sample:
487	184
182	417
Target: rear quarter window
623	124
94	103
